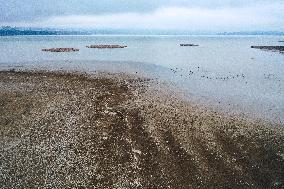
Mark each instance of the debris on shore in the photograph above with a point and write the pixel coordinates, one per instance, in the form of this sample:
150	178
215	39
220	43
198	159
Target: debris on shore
61	50
107	46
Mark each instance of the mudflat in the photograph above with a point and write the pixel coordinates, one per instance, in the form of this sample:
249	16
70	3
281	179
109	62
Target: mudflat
74	130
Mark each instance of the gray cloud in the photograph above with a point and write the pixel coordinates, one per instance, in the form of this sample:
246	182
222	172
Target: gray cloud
21	10
145	14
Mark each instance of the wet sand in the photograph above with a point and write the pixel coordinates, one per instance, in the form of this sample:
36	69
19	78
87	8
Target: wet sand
73	130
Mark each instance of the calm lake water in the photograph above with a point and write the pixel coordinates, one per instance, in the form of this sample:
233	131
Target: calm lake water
222	70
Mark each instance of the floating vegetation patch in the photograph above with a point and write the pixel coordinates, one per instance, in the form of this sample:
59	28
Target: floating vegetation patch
107	46
61	50
270	48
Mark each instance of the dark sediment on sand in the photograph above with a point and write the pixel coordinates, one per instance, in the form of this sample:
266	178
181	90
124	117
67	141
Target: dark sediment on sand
67	130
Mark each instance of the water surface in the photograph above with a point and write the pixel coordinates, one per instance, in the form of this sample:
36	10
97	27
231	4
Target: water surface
222	70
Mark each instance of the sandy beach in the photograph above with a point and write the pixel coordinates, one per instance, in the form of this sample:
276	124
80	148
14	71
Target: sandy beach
74	130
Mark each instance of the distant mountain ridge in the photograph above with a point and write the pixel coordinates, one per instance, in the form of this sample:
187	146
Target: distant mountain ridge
253	33
12	31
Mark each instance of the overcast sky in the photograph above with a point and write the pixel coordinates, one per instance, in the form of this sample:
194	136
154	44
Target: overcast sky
192	15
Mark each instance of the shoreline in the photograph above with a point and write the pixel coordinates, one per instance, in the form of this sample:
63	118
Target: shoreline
63	129
249	102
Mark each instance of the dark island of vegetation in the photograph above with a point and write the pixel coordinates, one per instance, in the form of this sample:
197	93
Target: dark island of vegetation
12	31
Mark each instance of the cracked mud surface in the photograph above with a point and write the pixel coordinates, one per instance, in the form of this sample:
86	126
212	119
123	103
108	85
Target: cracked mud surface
67	130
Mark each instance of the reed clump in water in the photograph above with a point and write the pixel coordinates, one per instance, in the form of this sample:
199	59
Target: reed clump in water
106	46
61	50
270	48
188	45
